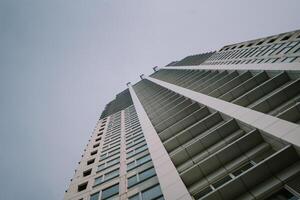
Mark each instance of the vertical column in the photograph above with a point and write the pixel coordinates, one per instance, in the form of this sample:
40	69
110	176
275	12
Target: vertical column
122	188
171	184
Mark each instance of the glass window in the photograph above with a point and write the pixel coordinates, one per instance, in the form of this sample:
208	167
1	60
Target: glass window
112	174
113	161
95	196
132	181
141	148
289	59
297	50
98	180
141	176
130	165
146	174
152	193
130	153
134	197
143	159
100	167
109	192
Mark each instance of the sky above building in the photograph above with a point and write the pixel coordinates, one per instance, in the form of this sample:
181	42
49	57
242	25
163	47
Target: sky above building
61	62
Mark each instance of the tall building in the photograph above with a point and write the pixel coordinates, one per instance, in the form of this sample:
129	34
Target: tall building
215	126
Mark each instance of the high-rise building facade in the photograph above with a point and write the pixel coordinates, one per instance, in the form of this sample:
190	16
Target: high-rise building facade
215	126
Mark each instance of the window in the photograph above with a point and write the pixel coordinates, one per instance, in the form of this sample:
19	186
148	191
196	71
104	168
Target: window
98	180
297	50
146	174
143	159
286	38
95	196
113	161
94	152
260	43
98	139
96	145
272	40
87	172
111	191
111	174
283	194
108	164
151	193
135	142
221	181
82	187
90	161
288	59
110	153
141	176
100	167
131	165
134	197
137	150
132	181
242	169
203	192
106	177
99	134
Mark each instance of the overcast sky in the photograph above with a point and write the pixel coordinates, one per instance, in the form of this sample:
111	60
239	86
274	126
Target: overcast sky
61	61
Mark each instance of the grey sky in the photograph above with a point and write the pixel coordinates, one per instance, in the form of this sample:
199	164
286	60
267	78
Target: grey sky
61	61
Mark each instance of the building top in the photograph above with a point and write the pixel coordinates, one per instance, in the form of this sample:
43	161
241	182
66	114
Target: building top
192	60
122	101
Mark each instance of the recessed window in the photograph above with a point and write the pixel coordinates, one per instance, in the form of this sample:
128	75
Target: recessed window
249	45
82	186
272	40
87	172
96	145
286	38
94	152
260	43
98	139
99	134
90	161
